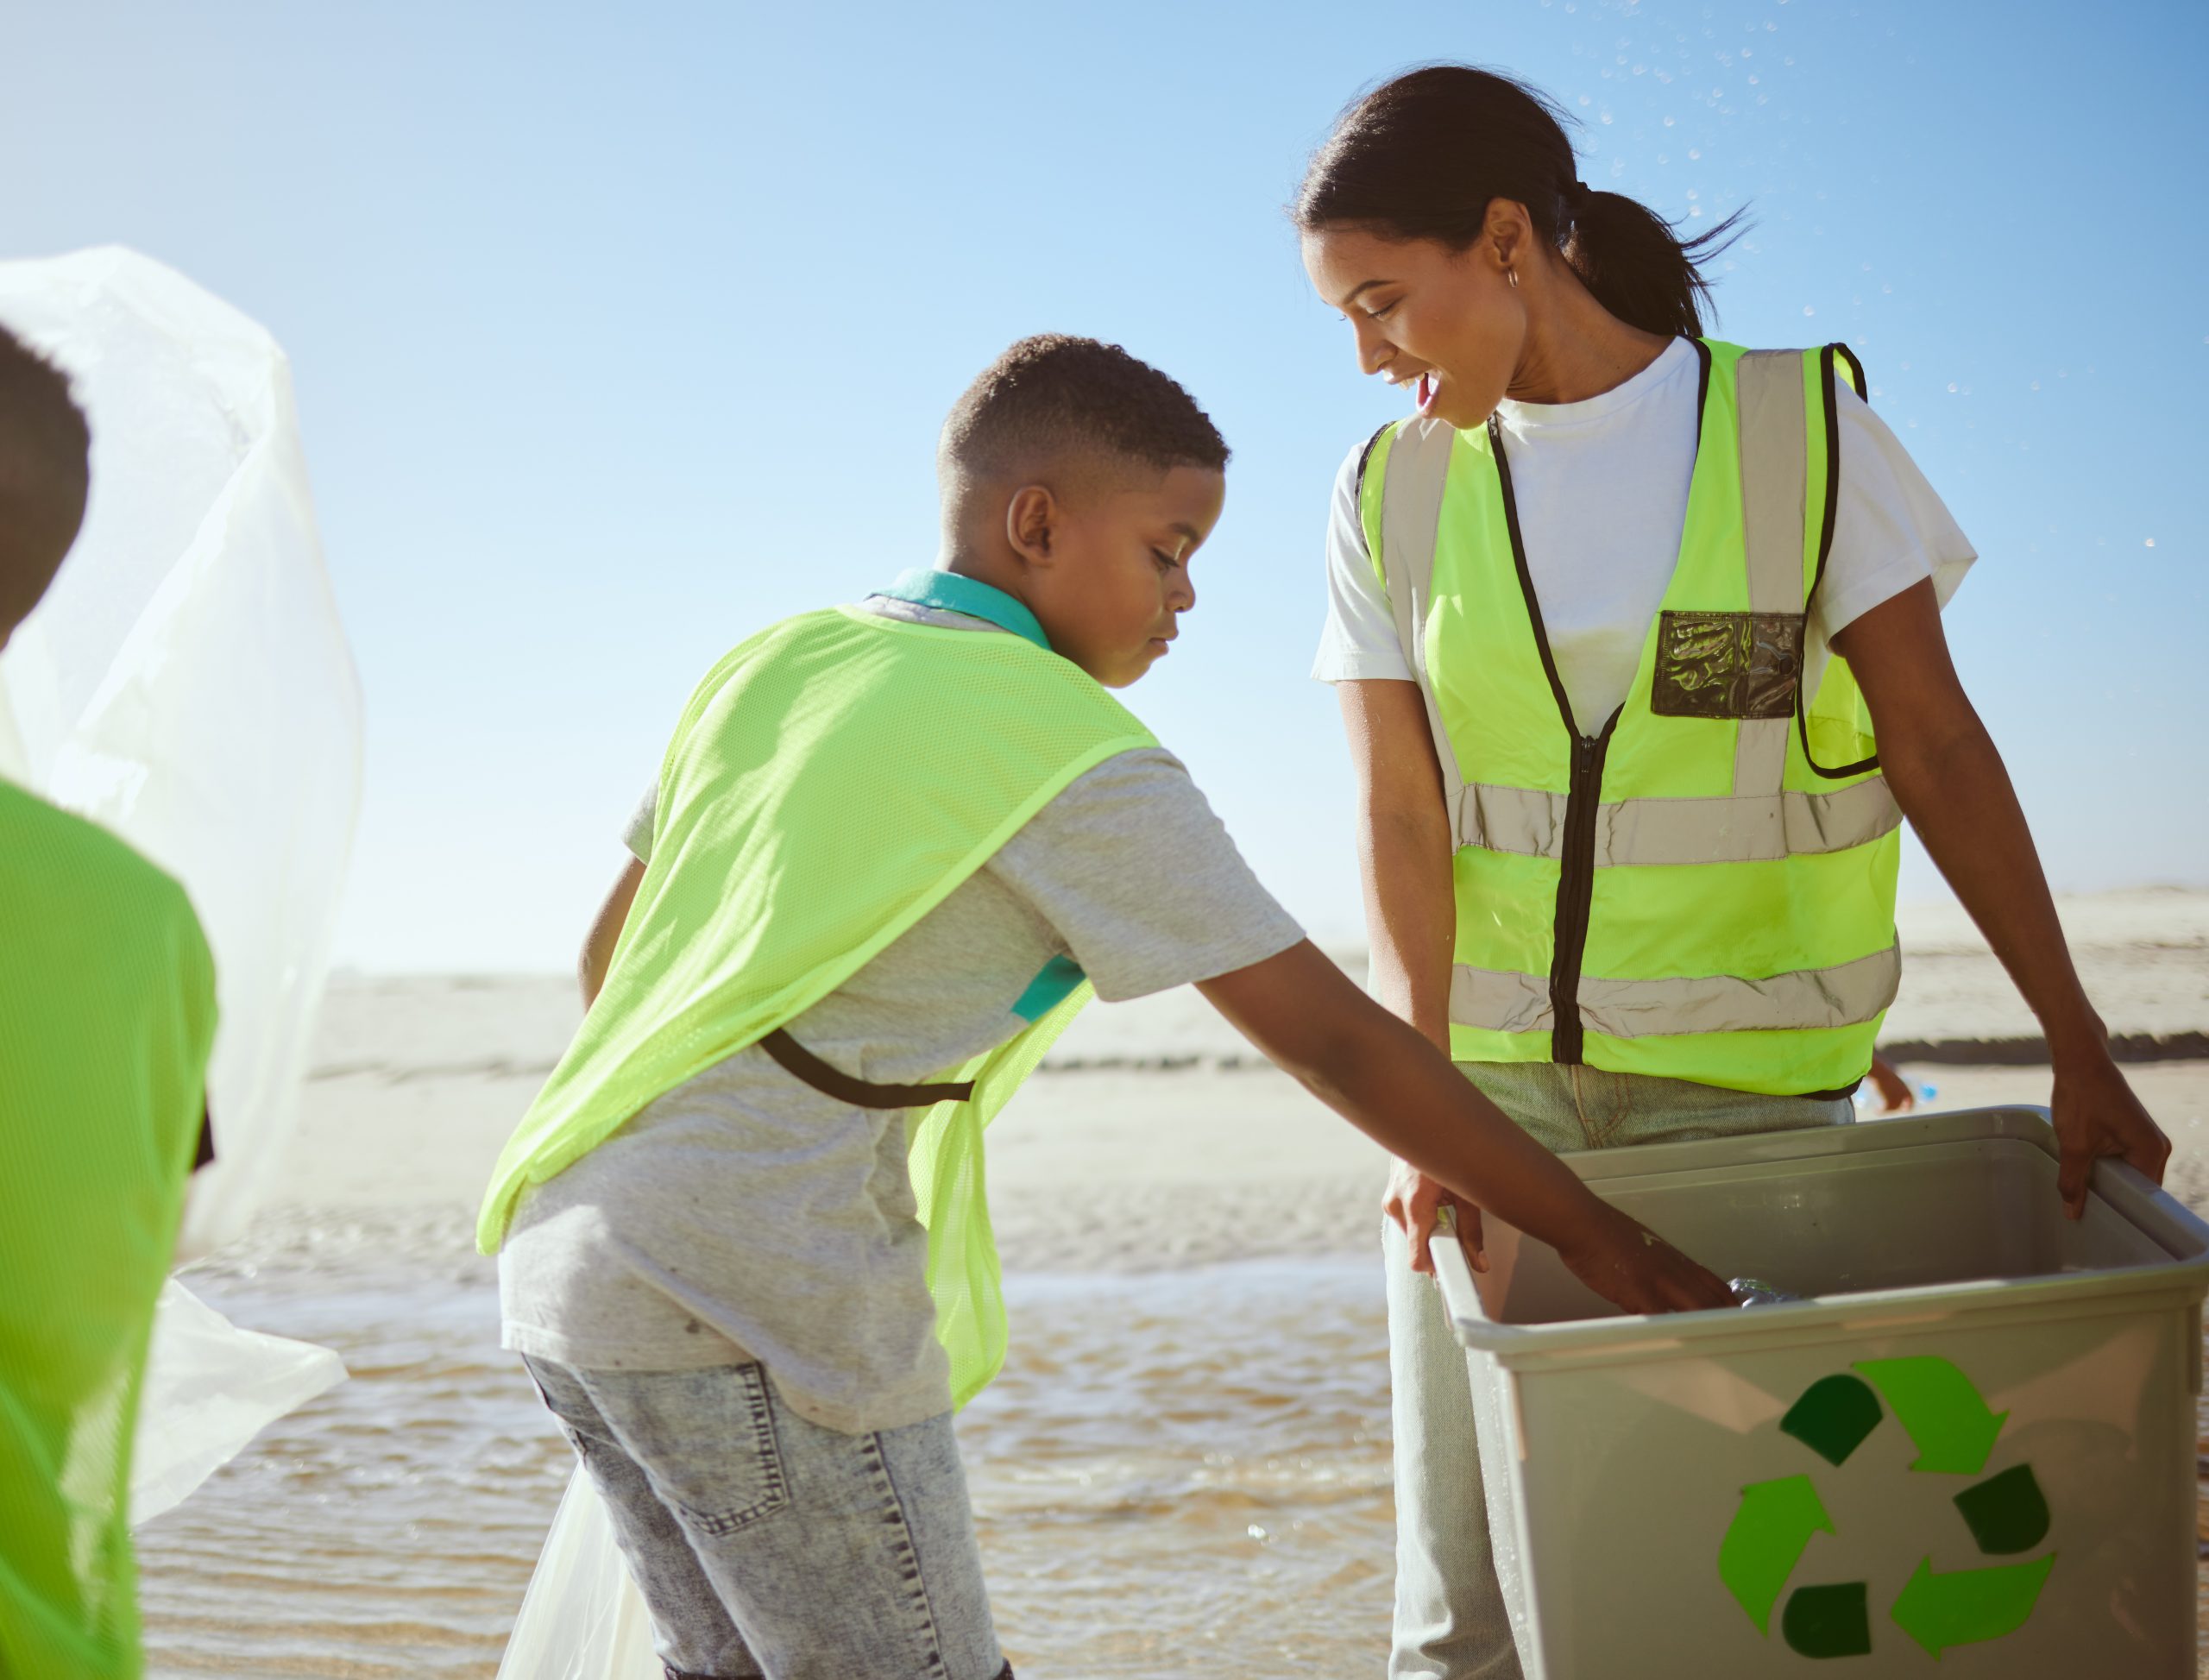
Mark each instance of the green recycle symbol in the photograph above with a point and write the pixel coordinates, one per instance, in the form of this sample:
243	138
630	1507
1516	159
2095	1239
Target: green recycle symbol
1954	1432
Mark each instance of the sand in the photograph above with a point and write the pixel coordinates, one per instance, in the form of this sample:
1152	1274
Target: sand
1154	1136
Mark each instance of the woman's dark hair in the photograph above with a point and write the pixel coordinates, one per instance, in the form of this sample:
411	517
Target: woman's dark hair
1422	155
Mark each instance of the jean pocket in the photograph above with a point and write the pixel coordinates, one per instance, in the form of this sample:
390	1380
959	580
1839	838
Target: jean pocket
707	1441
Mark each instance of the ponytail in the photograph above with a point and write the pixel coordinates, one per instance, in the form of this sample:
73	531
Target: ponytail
1423	156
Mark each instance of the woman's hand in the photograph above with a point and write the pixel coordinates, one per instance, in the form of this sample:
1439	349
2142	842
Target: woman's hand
1621	1260
2096	1115
1415	1202
1943	770
1631	1266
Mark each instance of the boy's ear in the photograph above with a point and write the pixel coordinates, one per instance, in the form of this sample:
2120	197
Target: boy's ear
1031	519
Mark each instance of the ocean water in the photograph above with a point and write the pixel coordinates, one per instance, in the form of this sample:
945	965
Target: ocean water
1177	1472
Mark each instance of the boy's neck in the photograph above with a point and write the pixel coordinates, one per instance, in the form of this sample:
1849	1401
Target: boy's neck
1000	574
977	597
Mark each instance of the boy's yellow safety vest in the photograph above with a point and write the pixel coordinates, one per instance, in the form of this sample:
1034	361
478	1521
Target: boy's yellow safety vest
831	782
1705	889
107	1012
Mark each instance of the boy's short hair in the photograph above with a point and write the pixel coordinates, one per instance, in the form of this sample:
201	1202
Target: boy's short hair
45	476
1055	396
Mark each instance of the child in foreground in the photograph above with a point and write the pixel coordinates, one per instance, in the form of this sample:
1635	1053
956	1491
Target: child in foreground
887	841
107	1011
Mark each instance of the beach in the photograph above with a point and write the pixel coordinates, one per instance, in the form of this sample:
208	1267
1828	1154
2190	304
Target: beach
1188	1451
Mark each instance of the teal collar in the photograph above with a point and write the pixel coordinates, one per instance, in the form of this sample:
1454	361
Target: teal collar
948	592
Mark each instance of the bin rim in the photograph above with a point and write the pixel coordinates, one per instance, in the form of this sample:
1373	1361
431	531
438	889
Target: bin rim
2183	1276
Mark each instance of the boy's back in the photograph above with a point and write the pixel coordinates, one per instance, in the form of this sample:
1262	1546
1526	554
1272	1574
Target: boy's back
744	1214
107	1011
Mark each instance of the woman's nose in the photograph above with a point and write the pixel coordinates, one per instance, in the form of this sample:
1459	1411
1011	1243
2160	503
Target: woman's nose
1373	351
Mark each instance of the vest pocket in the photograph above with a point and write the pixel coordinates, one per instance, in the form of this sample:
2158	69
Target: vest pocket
1731	665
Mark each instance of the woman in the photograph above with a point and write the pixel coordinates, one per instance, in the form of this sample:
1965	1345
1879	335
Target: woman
1637	639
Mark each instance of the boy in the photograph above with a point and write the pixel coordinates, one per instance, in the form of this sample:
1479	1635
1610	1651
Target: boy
886	841
107	1011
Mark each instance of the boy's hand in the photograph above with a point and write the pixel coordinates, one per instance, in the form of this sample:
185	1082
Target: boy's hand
2095	1115
1396	1085
1415	1202
1630	1266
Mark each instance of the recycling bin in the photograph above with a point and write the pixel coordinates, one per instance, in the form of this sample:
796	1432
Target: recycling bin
1969	1452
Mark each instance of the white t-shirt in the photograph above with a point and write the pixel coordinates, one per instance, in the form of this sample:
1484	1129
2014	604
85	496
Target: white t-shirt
1602	492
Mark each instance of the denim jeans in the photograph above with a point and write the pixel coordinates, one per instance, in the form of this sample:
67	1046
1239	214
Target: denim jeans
770	1548
1451	1622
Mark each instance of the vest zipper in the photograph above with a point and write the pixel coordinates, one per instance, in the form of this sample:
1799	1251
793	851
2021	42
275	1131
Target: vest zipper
1576	891
1576	885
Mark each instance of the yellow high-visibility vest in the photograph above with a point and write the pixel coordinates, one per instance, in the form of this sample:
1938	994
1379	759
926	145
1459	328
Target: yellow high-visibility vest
831	782
1705	889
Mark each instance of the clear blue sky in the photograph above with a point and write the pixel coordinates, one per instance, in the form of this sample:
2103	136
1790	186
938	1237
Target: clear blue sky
621	332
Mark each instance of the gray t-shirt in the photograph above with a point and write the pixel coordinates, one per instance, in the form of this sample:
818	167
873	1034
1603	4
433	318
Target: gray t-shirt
744	1215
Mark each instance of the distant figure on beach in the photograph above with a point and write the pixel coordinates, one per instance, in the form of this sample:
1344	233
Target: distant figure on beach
892	848
107	1014
1638	644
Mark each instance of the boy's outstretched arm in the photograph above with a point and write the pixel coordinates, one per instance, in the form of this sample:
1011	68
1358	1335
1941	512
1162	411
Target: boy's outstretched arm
1390	1082
605	928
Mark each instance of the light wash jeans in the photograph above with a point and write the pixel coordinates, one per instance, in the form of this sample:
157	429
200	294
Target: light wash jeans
1450	1622
769	1548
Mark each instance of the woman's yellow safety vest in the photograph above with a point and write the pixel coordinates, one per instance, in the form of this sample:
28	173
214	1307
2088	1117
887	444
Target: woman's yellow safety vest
831	782
1705	889
107	1013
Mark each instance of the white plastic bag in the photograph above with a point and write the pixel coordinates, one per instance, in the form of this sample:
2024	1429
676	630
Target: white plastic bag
187	683
583	1618
210	1387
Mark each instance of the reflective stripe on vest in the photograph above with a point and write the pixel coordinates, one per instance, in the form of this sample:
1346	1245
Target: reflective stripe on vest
1737	828
1844	996
1649	979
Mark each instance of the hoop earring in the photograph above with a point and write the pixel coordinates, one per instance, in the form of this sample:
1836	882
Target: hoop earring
1512	275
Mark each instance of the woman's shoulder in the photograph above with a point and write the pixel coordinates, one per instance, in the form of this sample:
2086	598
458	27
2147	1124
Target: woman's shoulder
1351	472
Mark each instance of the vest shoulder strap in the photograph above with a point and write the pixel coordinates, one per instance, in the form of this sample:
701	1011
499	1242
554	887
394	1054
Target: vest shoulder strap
1415	472
1829	360
1774	432
1773	427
